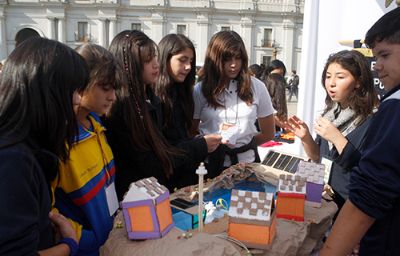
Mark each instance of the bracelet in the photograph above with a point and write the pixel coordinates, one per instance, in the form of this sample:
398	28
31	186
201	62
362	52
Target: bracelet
72	244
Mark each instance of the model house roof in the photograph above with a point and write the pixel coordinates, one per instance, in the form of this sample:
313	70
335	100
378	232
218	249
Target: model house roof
292	184
144	189
251	205
313	172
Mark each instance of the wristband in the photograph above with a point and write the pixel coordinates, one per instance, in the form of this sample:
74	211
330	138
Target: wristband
72	244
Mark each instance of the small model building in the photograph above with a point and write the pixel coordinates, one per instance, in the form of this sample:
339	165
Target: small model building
291	197
147	210
314	174
251	219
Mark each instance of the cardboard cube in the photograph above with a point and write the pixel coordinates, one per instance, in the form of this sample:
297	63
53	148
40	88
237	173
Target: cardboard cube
291	197
314	174
251	219
147	210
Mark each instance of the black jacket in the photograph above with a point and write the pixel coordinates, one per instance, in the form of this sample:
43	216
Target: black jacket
375	182
25	202
133	164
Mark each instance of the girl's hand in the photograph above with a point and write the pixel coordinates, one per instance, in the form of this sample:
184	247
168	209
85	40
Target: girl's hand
63	226
297	126
213	141
326	130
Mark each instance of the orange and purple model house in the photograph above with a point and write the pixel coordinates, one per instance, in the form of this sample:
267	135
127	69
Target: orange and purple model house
146	210
314	173
291	197
251	219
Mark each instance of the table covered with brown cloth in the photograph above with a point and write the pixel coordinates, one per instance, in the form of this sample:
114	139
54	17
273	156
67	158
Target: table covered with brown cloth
292	238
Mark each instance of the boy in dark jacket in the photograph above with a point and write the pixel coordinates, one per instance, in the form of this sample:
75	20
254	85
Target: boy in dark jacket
371	215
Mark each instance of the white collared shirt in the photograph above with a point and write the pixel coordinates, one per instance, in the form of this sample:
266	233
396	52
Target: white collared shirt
237	111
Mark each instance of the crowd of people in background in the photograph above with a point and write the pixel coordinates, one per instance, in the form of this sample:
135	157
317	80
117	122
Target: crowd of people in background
77	127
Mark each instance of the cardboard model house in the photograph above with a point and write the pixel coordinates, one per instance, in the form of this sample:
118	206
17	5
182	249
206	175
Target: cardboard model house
291	197
314	174
147	210
251	219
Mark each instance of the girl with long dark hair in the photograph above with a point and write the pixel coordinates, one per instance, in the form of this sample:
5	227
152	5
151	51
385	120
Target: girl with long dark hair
229	100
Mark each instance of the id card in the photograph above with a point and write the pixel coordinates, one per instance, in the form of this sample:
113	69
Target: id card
112	200
328	166
229	133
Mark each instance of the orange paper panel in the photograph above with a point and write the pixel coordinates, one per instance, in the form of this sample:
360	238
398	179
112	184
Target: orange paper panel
249	233
164	214
141	220
290	206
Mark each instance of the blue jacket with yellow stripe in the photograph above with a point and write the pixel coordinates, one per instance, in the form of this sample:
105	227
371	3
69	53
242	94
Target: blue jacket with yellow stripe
80	187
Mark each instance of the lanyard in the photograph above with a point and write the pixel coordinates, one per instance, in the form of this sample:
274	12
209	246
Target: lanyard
237	110
103	155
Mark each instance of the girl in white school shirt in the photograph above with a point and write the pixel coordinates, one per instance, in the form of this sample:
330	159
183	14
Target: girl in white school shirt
229	101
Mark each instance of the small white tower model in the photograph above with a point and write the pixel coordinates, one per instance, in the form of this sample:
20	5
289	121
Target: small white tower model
201	171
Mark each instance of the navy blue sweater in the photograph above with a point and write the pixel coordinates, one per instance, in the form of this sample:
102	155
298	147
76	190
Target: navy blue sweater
375	183
25	202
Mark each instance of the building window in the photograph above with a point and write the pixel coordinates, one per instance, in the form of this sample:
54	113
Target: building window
266	60
225	28
136	26
82	35
181	29
267	40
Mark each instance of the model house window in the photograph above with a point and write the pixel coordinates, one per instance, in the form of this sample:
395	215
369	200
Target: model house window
83	34
225	28
181	29
136	26
267	40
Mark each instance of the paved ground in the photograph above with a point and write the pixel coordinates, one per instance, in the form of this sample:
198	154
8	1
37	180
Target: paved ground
292	106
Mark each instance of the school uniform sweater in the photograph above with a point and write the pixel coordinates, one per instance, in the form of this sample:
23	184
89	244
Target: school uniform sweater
134	164
375	183
80	187
25	202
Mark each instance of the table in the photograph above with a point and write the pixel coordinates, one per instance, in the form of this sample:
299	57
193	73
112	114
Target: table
292	238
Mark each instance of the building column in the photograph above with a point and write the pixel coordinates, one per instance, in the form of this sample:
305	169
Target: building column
247	35
3	42
50	28
288	43
102	28
61	30
159	28
203	37
112	30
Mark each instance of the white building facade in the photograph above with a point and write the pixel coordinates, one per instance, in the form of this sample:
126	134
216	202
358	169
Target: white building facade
270	28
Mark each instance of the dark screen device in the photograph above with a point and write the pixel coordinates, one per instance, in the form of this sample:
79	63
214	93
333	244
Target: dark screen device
182	203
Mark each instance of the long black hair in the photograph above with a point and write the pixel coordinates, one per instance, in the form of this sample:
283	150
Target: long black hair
169	46
132	49
36	90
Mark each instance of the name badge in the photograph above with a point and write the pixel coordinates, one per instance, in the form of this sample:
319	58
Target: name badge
112	200
229	133
328	166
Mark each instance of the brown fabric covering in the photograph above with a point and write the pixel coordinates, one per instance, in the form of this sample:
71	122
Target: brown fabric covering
292	238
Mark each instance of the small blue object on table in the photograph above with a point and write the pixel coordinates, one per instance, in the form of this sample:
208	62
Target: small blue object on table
186	220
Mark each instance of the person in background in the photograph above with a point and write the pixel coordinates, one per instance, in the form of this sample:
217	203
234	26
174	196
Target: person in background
88	198
255	70
276	66
28	33
294	85
275	84
349	105
38	88
372	212
134	127
229	100
174	87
